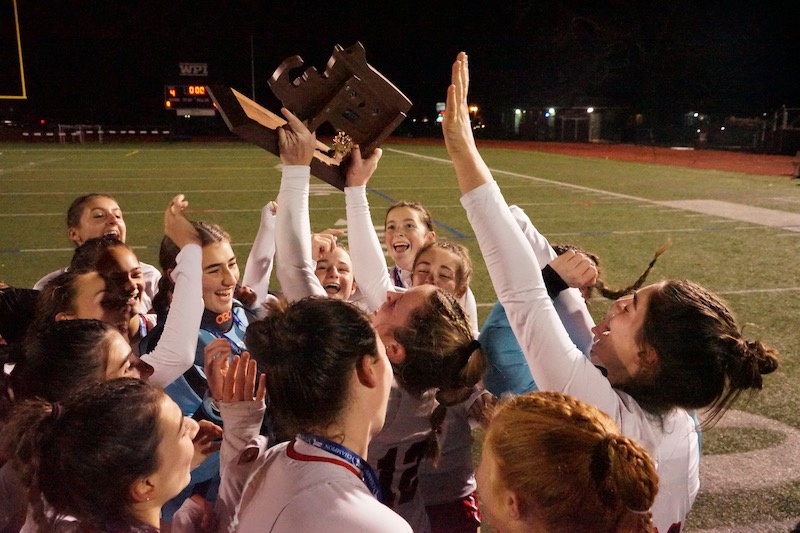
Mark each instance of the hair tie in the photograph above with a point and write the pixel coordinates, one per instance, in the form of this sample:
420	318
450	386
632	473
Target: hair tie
467	353
638	512
56	410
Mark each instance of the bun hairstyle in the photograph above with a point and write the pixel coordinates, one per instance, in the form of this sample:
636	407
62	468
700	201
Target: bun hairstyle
569	466
308	350
101	440
441	353
703	359
600	285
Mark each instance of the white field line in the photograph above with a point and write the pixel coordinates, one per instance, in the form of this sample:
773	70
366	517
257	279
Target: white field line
755	215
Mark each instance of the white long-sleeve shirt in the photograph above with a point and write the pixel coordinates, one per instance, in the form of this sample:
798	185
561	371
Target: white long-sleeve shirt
175	351
374	277
560	366
258	267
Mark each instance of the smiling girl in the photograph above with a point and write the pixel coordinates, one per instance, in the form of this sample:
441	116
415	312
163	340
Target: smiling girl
670	347
121	491
99	215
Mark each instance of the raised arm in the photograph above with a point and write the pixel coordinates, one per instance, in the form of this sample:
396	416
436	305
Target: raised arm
175	352
369	261
554	360
471	170
295	267
569	304
258	268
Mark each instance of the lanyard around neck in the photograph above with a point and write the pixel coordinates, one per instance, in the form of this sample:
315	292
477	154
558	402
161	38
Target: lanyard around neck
349	459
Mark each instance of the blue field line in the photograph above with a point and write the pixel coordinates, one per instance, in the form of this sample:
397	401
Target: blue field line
457	234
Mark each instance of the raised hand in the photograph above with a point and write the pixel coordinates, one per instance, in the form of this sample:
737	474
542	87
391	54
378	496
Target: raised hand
216	357
206	442
176	226
296	143
359	171
240	381
575	269
471	170
456	125
323	242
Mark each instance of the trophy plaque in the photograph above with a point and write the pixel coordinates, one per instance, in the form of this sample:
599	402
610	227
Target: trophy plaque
354	98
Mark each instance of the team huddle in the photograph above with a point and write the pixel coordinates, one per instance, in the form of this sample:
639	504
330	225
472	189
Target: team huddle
188	398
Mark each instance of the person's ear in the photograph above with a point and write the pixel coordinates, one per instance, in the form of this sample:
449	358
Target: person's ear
649	357
142	490
72	234
354	288
366	371
395	352
430	237
461	292
513	505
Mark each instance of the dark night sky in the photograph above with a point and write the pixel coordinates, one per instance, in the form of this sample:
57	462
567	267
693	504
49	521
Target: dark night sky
103	61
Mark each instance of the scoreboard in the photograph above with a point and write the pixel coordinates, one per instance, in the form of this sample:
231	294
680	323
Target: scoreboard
188	100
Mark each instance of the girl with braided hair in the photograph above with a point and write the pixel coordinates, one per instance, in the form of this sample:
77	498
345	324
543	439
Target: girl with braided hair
669	347
544	452
428	337
573	270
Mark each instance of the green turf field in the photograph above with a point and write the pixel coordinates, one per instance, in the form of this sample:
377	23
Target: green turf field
611	208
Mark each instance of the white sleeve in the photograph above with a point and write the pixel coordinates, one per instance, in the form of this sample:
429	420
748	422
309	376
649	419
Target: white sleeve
369	262
516	274
470	307
242	422
569	304
295	268
258	268
42	283
175	351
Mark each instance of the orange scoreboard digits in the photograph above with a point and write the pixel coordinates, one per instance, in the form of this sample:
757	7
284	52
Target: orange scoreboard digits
187	97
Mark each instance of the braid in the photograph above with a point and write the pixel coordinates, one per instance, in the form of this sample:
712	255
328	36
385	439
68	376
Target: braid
632	477
611	294
552	450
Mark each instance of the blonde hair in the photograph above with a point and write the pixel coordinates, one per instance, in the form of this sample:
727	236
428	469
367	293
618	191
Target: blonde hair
569	466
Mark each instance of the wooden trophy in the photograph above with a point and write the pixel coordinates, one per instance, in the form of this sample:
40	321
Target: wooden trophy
362	105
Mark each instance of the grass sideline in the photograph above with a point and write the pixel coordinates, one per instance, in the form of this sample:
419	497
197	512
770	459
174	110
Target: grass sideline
605	206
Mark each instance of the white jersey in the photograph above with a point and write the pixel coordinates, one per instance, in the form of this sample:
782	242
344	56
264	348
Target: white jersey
395	454
453	477
558	365
150	274
269	490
